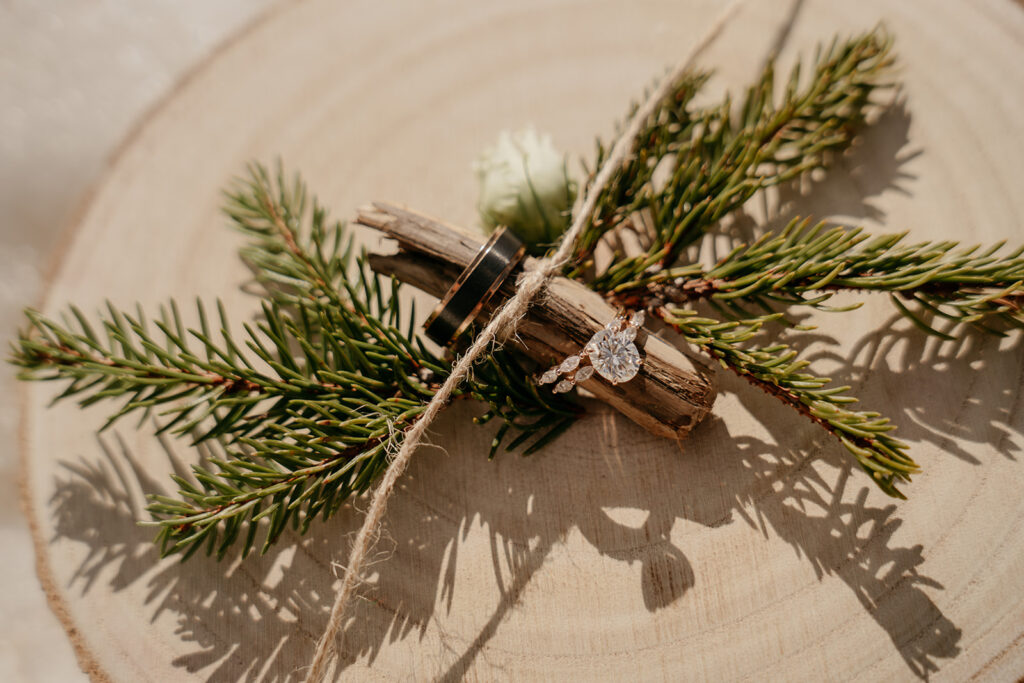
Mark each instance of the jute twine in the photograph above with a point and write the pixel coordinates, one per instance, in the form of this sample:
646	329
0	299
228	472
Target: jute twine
501	325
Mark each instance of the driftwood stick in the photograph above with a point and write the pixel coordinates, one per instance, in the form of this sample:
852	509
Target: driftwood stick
672	391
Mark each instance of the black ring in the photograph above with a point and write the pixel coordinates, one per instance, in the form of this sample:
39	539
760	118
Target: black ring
475	286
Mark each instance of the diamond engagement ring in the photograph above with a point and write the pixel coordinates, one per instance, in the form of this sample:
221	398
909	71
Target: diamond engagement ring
610	353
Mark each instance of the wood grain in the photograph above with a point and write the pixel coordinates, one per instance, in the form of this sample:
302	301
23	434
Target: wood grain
671	393
751	551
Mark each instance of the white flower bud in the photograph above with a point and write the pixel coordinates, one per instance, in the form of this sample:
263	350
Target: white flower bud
525	186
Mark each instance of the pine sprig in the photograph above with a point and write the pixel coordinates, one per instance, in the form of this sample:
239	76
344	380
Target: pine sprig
520	404
127	361
306	406
630	188
303	429
710	162
296	252
777	370
807	265
718	159
299	273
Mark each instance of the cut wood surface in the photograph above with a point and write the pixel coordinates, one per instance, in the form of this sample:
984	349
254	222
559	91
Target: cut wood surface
752	549
671	393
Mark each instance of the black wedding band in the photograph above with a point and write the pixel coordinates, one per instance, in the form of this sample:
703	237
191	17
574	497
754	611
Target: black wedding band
478	282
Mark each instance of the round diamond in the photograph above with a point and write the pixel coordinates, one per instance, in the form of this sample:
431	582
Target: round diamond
614	356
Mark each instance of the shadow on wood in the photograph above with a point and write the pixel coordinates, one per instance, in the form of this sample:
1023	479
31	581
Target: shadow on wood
259	618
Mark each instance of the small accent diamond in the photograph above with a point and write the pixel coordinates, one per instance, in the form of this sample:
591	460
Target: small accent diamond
584	373
563	386
637	319
548	377
569	364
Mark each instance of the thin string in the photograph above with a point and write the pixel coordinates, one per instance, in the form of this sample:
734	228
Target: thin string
501	325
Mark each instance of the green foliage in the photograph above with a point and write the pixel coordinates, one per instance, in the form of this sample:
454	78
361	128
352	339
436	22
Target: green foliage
307	418
808	265
297	266
777	370
716	158
306	406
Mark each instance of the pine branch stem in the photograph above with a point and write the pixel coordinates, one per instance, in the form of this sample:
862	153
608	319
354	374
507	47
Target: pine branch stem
808	264
70	358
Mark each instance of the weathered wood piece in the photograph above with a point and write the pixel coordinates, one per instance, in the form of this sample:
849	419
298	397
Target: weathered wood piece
672	392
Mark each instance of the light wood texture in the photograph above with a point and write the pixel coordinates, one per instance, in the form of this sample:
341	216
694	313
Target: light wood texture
750	550
671	393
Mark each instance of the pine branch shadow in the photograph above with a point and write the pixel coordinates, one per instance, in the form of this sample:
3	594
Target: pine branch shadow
258	618
782	34
940	392
819	504
877	162
243	627
930	386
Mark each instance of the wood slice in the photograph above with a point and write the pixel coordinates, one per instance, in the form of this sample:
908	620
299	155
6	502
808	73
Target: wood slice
751	550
